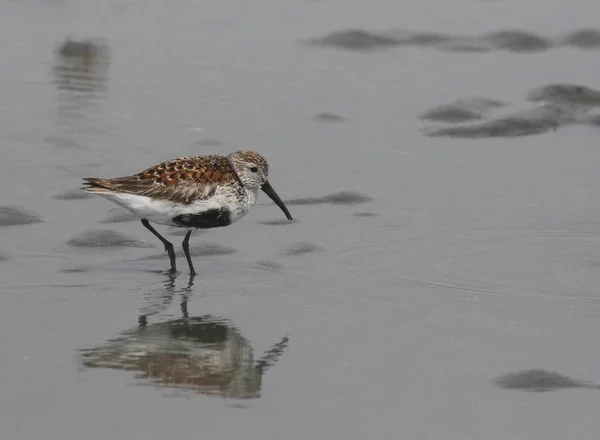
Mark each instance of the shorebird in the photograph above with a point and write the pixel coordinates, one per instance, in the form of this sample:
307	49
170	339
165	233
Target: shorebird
193	192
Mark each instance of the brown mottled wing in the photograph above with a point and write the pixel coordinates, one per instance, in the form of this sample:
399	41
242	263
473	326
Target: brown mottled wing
182	180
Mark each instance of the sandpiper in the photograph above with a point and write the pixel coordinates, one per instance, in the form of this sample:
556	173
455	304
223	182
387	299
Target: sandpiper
193	192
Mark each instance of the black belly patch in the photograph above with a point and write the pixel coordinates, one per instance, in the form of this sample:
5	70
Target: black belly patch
213	218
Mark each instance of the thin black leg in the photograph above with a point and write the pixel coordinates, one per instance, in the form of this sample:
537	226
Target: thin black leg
168	245
186	250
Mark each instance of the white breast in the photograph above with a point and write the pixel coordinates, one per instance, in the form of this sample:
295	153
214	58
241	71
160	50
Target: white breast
163	211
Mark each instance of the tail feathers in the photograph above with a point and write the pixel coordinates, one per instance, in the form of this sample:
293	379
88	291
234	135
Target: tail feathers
93	184
127	184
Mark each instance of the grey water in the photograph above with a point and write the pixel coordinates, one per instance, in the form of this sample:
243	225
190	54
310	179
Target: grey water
440	160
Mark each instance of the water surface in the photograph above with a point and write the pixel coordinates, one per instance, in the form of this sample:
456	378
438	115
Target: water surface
441	165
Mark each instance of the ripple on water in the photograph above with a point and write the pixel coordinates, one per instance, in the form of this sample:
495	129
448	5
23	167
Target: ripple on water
339	198
15	215
300	248
277	222
104	238
271	266
199	250
365	214
467	276
540	380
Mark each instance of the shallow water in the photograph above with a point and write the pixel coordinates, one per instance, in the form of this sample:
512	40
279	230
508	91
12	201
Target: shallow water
440	164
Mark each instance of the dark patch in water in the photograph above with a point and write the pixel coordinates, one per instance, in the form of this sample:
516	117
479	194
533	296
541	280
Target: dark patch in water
583	39
85	49
565	94
119	215
558	105
509	40
201	250
73	270
328	117
535	121
365	214
3	257
277	222
518	41
300	248
462	110
14	215
340	198
75	194
540	380
102	238
355	39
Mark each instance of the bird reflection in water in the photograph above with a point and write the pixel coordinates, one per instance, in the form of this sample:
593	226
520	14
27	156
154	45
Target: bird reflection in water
80	73
202	353
81	66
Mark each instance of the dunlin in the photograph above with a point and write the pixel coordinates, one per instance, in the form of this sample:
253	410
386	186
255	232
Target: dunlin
195	192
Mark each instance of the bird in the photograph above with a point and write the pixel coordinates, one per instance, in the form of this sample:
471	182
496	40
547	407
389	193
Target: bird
191	192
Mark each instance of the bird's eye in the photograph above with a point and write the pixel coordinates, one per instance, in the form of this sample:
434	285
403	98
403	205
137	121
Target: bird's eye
254	169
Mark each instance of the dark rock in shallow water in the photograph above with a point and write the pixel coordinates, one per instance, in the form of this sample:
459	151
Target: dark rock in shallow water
14	215
462	110
583	39
540	380
328	117
102	238
518	41
355	39
566	95
535	121
511	40
340	198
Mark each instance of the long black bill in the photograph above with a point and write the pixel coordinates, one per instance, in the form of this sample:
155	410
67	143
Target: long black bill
268	190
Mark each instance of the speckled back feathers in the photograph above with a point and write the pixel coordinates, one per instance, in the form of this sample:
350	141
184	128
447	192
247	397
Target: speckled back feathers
182	180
